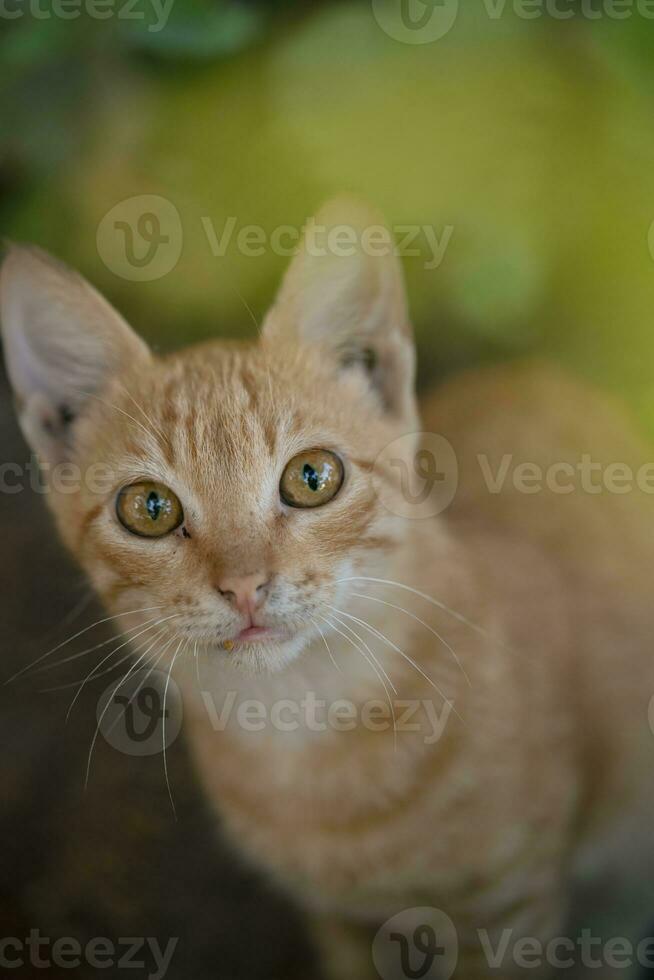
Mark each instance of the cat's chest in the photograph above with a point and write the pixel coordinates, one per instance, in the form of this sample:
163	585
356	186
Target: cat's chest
309	819
340	816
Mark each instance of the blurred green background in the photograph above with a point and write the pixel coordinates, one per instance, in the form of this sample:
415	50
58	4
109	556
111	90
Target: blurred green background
531	138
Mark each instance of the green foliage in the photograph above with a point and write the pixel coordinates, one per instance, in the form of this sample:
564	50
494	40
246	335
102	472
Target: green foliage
198	30
531	139
56	73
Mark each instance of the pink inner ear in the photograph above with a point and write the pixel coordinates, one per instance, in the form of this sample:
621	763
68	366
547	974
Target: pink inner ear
22	364
44	414
47	418
61	338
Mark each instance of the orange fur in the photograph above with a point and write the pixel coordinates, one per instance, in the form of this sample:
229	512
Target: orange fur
541	775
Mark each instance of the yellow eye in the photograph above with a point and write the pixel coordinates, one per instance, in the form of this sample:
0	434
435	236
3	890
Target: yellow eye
149	509
311	478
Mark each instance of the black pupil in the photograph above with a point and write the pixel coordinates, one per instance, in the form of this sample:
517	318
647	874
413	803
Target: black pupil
310	477
154	505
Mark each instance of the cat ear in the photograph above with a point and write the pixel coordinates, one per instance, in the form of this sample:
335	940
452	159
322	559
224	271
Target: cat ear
62	342
344	292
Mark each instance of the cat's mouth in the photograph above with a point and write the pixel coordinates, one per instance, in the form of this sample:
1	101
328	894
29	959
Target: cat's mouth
256	635
253	633
257	649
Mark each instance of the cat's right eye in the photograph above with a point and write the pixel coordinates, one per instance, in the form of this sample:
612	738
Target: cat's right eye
149	509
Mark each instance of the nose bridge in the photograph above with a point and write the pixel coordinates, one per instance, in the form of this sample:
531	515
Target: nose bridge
238	530
243	555
240	565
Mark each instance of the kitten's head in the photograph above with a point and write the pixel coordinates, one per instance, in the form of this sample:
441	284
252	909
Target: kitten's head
225	490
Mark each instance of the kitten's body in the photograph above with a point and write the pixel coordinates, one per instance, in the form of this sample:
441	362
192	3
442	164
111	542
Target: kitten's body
542	669
539	788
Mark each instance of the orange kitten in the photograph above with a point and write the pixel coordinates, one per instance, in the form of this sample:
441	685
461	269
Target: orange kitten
448	711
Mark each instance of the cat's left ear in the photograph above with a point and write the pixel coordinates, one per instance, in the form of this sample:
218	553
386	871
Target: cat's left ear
62	343
344	292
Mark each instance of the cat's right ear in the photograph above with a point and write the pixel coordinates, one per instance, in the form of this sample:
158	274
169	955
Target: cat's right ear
343	293
62	342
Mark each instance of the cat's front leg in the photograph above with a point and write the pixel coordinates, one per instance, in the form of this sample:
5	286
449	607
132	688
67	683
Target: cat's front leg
344	948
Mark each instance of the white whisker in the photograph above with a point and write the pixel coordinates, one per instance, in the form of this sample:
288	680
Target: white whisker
99	622
247	307
89	394
77	609
324	639
108	704
163	726
108	670
120	647
397	649
98	646
197	666
392	605
336	614
435	602
372	665
145	415
154	660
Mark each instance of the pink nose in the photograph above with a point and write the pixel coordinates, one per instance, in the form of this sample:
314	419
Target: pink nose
245	592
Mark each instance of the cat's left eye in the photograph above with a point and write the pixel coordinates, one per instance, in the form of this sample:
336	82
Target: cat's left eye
150	510
311	479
